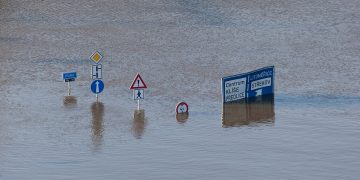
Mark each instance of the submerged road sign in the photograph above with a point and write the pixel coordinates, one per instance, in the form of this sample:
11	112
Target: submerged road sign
138	83
97	86
234	89
96	57
139	94
70	76
182	107
242	86
96	71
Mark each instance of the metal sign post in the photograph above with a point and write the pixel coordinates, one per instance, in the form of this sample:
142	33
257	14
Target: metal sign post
138	94
97	86
69	88
68	77
138	85
138	104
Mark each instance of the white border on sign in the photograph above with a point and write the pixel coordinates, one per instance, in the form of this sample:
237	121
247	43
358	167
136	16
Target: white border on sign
141	91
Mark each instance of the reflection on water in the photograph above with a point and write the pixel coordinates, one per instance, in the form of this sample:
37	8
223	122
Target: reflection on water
182	117
97	110
255	110
138	124
69	101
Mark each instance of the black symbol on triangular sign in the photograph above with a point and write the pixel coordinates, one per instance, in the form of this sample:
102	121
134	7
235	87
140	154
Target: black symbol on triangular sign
138	83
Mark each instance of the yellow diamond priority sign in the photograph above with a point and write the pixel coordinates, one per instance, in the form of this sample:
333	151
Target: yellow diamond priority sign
96	57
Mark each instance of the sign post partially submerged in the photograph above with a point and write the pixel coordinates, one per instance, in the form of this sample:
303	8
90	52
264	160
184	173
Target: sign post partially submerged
97	86
68	77
247	85
138	85
182	108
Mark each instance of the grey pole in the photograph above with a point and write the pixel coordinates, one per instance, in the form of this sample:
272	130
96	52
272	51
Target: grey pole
69	88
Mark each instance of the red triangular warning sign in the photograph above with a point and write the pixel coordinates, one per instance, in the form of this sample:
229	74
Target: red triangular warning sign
138	83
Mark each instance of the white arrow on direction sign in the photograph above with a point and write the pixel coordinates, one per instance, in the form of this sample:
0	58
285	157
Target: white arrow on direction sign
258	92
97	87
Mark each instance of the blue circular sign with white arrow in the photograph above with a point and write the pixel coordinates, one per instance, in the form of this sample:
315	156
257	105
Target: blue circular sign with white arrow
97	86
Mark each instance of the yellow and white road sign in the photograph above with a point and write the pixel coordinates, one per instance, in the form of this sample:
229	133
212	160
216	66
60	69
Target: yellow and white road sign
96	57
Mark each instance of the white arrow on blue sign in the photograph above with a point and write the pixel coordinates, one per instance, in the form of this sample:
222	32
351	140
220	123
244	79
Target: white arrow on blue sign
243	86
97	86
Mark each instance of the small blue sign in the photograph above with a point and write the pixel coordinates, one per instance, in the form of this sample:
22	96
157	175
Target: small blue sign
97	86
69	76
247	85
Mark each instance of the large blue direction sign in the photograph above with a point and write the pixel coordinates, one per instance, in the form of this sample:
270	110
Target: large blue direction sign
97	86
243	86
69	76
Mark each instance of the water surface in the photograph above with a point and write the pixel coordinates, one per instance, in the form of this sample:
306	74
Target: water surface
181	49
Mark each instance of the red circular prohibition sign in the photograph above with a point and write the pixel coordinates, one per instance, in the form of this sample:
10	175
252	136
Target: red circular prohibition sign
182	107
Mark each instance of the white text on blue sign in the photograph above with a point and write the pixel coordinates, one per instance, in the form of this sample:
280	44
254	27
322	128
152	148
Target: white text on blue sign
242	86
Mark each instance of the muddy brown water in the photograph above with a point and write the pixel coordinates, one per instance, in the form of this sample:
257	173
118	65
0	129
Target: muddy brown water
181	48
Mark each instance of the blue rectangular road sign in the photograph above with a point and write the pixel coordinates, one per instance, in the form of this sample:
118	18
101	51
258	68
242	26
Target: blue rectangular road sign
243	86
70	76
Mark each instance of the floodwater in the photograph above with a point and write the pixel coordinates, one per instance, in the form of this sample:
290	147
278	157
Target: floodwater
258	110
182	48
